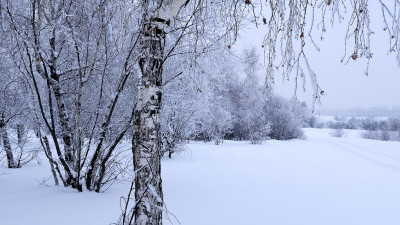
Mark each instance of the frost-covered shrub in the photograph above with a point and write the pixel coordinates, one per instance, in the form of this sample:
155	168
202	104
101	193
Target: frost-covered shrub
394	124
256	126
222	124
368	134
314	122
174	132
258	132
370	124
339	132
336	125
385	135
397	135
384	130
353	123
382	135
286	123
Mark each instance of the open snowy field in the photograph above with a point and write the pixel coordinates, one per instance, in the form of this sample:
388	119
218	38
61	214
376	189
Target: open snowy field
318	181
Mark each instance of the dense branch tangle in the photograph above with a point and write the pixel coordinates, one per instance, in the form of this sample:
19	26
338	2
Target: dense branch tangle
77	60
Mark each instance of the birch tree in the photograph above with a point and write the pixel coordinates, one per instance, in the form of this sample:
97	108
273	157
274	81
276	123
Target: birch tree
157	16
13	110
182	21
253	100
77	58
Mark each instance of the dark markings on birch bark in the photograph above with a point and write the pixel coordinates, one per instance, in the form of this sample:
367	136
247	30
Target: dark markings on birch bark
146	142
20	133
6	143
47	150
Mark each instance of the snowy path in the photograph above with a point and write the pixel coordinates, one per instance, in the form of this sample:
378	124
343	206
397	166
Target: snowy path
318	181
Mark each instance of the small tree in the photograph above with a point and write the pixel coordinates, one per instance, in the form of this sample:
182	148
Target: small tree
253	100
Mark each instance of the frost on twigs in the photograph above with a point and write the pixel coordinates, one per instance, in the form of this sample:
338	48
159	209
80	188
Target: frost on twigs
390	14
288	29
291	25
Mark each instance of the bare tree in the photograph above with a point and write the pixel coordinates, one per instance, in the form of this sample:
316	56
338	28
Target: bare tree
77	59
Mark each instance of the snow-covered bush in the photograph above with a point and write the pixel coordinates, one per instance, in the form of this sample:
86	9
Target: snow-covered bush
179	112
286	123
370	124
338	132
314	122
174	132
337	124
394	124
353	123
382	135
397	135
368	134
385	135
384	130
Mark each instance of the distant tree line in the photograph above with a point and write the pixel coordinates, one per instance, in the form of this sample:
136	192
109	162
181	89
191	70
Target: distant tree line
385	129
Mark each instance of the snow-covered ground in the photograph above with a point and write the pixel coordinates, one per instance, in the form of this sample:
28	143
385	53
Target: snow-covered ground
318	181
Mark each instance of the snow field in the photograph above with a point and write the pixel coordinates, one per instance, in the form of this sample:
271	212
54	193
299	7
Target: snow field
318	181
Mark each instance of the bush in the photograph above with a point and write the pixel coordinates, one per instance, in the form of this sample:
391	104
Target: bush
369	134
313	122
382	135
370	124
337	125
385	135
286	120
397	135
353	123
394	124
339	132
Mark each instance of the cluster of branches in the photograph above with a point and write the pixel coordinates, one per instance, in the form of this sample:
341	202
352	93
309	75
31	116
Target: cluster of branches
66	66
228	101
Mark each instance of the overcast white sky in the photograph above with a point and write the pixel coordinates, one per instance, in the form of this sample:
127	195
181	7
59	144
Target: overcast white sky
345	86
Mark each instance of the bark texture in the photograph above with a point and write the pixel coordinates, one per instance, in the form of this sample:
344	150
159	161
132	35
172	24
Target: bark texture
6	143
147	117
147	141
47	150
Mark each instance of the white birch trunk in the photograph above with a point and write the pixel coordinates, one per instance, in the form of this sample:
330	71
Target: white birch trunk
147	138
6	143
146	145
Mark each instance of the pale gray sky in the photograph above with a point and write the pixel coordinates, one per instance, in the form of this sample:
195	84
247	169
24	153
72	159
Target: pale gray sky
345	86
